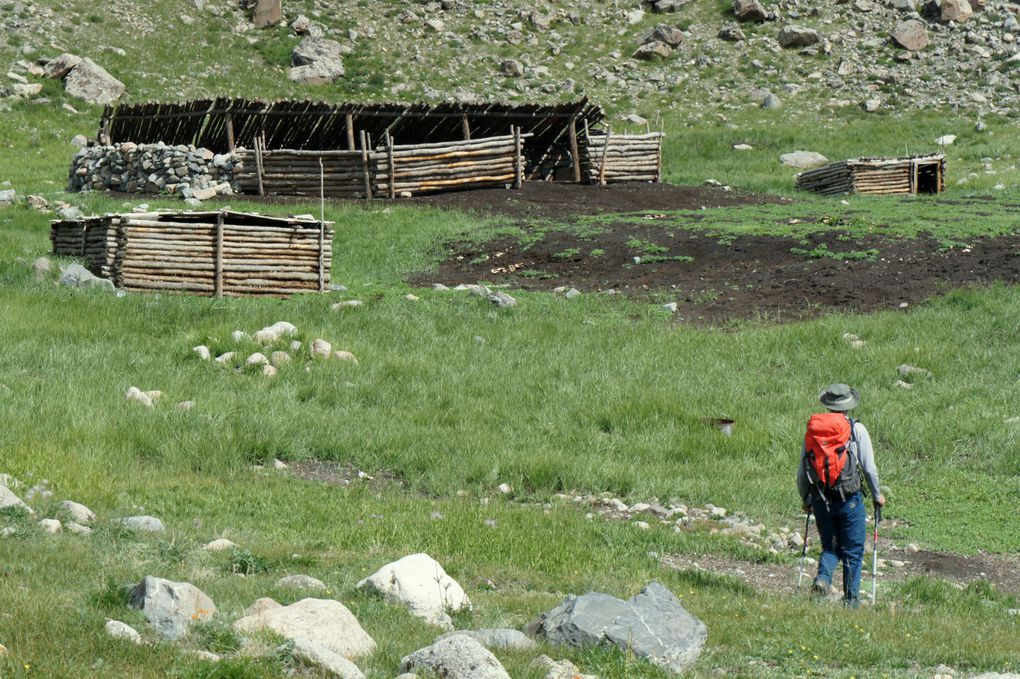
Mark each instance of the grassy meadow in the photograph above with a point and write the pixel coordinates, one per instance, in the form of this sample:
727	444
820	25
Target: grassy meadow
452	397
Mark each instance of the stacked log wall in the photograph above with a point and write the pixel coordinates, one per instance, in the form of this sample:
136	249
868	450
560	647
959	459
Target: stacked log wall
609	158
214	256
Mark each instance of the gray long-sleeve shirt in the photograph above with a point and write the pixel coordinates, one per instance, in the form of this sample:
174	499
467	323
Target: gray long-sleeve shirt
860	445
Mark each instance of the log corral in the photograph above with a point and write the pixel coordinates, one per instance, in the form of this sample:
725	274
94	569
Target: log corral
610	158
385	150
204	253
878	176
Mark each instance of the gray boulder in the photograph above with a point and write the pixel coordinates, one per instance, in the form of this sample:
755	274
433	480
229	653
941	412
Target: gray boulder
670	5
579	620
121	630
656	626
171	606
77	276
731	33
323	621
663	33
456	657
142	524
910	35
317	655
803	160
497	639
653	50
511	68
302	582
798	36
317	61
9	499
266	13
8	197
749	10
61	66
89	81
79	513
771	102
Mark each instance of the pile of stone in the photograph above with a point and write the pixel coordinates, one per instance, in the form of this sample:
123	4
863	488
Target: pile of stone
153	168
279	347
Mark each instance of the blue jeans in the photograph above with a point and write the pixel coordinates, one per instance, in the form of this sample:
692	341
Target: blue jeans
842	527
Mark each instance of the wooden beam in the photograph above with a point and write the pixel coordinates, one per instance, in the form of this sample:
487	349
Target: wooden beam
350	131
364	165
218	261
230	132
518	161
465	126
575	156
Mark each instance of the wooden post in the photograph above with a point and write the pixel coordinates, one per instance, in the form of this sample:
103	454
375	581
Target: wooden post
658	162
364	165
218	261
518	161
322	225
393	173
230	132
573	149
350	132
605	149
465	126
258	165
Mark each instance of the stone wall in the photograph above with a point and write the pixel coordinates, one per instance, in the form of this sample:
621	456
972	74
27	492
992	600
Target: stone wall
153	168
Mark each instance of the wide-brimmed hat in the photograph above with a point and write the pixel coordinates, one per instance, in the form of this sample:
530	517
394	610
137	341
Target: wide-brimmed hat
840	397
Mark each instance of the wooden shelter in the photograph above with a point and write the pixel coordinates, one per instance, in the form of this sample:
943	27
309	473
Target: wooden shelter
878	176
206	253
611	158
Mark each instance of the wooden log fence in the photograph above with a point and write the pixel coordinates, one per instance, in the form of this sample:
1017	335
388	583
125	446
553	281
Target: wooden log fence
223	253
610	158
877	176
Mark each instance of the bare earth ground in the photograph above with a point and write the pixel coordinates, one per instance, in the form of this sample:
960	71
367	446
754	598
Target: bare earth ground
739	277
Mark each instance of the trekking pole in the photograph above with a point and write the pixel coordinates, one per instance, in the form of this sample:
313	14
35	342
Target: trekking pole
874	554
803	551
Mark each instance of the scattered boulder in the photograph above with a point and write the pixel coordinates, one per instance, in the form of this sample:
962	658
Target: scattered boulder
61	66
258	358
653	50
911	35
946	140
51	526
266	13
803	160
501	299
345	356
771	102
955	10
138	396
302	582
279	358
120	630
913	371
749	10
89	81
321	349
511	68
455	657
77	528
202	352
317	61
219	545
79	513
731	33
8	197
420	584
318	656
224	359
41	268
144	524
652	625
275	332
560	669
664	33
262	605
798	36
77	276
323	621
171	606
497	639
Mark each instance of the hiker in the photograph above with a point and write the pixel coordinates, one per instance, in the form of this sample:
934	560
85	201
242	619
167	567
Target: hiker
836	455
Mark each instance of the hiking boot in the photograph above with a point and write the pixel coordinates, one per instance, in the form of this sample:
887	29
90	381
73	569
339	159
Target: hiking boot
820	588
852	603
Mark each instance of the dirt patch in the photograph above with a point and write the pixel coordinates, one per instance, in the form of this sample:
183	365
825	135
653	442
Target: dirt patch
717	278
558	201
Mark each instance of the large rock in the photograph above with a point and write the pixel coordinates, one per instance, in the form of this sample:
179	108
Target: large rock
273	333
798	36
803	160
266	13
8	197
420	584
142	524
911	35
317	61
497	639
323	621
121	630
653	50
456	657
89	81
317	655
79	513
61	66
663	33
9	499
171	606
659	628
652	625
77	276
749	10
579	620
956	10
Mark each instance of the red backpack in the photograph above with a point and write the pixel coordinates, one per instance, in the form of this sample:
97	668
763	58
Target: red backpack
828	460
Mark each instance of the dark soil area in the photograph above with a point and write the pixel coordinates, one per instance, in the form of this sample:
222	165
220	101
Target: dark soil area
712	278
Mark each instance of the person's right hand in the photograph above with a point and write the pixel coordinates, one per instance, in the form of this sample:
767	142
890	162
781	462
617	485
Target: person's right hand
881	500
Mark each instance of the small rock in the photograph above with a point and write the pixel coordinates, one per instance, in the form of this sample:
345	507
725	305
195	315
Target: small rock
771	102
319	656
456	657
170	606
80	140
946	140
347	304
321	349
903	385
280	465
439	287
302	582
908	370
219	545
120	630
41	268
261	606
239	336
505	488
223	359
743	147
77	528
50	525
420	584
257	358
8	499
345	356
501	299
323	621
78	512
77	276
202	351
138	396
572	293
798	36
803	160
911	548
144	524
269	371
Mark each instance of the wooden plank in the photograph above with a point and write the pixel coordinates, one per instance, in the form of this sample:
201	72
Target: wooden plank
218	258
364	162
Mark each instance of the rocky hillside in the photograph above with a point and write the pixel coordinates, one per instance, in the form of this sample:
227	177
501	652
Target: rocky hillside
671	57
